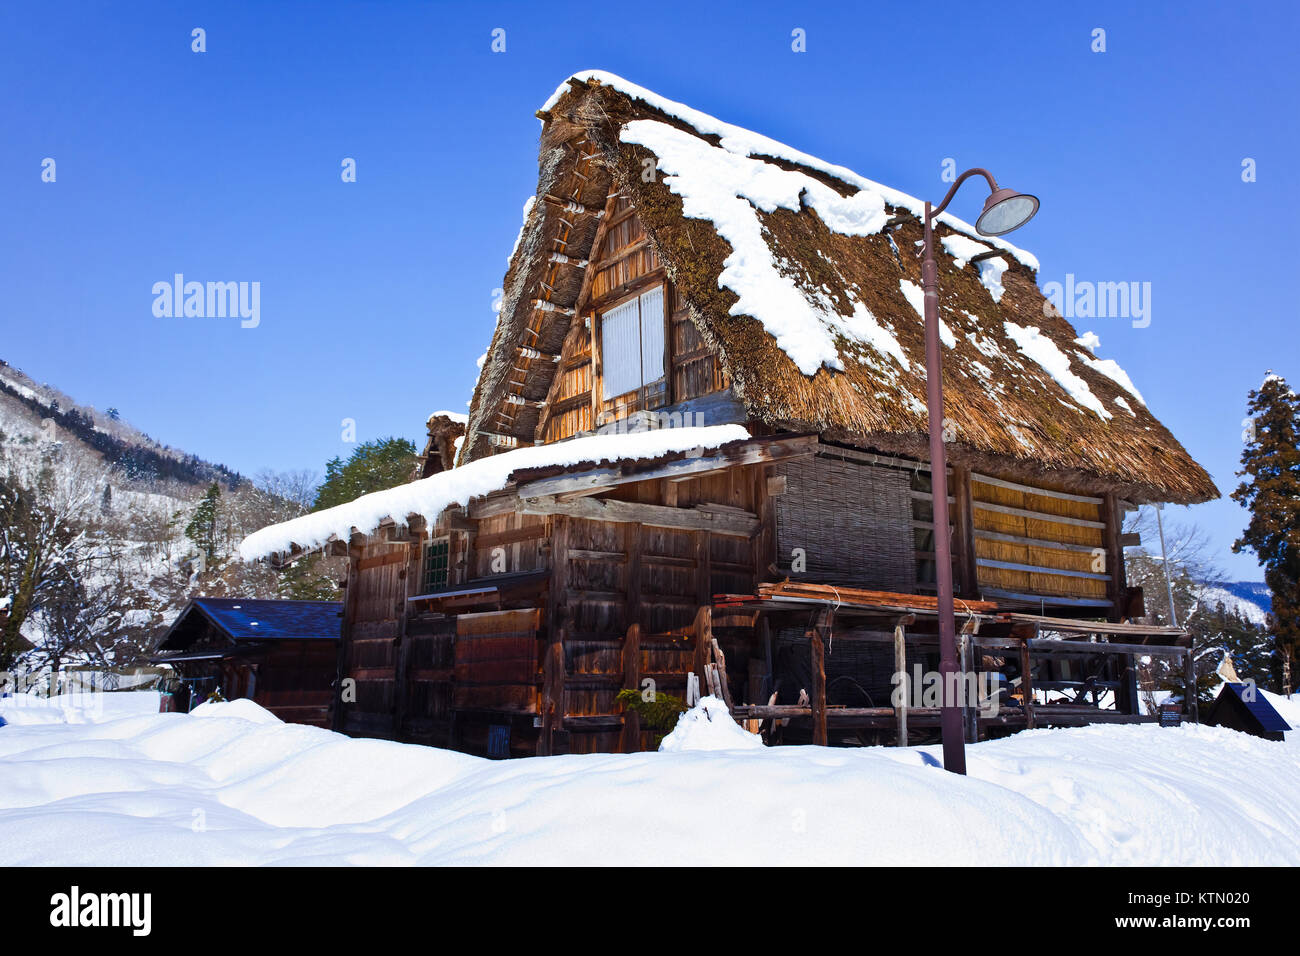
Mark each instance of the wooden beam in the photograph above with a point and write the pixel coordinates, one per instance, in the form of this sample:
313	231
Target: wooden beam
570	205
757	451
1044	645
625	512
1034	542
1040	569
1035	515
1030	489
560	258
545	305
1095	627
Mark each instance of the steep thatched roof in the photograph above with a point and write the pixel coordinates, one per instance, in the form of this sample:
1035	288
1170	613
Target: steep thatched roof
805	278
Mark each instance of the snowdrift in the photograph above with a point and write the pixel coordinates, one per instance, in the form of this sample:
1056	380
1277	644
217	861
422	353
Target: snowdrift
235	786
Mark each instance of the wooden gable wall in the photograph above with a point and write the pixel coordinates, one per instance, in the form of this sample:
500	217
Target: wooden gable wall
624	265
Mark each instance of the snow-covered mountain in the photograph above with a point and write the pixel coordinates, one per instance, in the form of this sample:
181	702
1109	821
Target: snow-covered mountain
43	412
128	499
1251	599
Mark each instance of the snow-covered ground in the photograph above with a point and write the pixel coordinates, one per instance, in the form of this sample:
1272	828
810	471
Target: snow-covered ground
115	783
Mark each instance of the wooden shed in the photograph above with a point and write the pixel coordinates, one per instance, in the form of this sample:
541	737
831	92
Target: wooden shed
1244	707
697	452
282	655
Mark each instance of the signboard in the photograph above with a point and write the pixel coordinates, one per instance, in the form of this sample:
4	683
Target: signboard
1171	714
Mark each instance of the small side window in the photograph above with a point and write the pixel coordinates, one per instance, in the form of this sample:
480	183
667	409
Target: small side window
435	564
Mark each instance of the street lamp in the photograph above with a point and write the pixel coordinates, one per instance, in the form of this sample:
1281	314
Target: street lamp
1005	210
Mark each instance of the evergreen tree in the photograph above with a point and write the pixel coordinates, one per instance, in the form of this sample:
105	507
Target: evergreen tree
202	529
373	466
1216	630
1271	466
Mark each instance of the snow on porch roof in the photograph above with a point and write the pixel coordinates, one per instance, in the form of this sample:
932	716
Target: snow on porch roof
429	497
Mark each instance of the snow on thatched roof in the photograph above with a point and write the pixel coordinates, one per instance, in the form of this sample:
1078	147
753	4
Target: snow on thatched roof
429	497
806	279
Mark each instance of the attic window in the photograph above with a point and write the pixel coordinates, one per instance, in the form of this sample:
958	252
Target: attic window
632	343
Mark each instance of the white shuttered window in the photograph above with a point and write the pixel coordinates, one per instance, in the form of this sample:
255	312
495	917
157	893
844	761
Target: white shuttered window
632	343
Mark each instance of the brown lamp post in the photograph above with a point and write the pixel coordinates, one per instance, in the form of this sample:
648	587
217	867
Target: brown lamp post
1004	211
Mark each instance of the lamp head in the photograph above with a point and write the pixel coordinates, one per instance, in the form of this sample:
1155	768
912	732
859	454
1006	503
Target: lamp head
1005	211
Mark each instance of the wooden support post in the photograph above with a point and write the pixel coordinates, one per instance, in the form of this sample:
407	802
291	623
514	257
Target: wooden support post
904	686
1026	685
351	598
1190	704
963	532
703	629
816	633
632	572
969	711
552	694
721	666
630	742
1116	585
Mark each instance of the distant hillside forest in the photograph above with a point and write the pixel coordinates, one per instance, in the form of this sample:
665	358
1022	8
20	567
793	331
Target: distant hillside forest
135	461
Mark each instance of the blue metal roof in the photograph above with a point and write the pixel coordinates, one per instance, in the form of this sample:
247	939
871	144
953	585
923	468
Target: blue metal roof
1259	708
247	619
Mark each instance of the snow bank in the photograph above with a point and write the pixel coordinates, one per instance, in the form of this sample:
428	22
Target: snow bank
76	708
236	709
428	497
172	789
708	726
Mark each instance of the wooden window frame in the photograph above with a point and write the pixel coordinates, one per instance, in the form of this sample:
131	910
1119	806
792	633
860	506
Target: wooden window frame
598	343
427	585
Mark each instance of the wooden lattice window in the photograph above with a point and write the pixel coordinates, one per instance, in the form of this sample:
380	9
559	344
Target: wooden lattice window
632	343
436	554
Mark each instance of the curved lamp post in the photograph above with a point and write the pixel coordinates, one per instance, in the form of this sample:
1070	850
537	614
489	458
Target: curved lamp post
1005	210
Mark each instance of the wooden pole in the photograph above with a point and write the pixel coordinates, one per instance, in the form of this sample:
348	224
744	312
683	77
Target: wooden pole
630	742
820	627
1190	705
1026	685
703	640
900	668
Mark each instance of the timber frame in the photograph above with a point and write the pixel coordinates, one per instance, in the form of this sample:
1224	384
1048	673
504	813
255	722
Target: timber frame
573	583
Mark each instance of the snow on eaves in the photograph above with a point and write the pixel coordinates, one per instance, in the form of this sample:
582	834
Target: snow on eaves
428	497
743	142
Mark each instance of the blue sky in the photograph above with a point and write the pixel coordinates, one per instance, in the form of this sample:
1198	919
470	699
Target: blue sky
376	295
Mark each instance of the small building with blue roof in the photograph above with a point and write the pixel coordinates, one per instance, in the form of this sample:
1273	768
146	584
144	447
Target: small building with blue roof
282	655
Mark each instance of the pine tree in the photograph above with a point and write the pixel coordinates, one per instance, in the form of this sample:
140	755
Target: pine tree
202	529
374	466
1271	466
